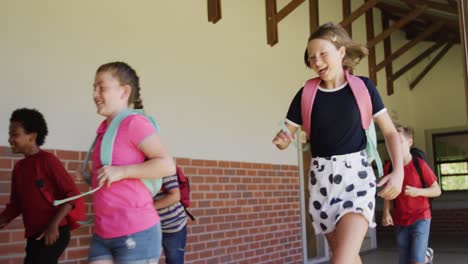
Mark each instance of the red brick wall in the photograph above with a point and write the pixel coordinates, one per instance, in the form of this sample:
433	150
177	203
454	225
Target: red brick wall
246	212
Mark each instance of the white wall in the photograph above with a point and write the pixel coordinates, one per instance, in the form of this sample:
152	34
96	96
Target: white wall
218	90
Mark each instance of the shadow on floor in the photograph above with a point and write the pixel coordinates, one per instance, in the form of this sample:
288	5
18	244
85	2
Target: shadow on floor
450	249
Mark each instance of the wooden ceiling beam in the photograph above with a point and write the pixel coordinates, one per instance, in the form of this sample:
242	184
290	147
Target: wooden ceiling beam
313	15
433	28
417	60
397	25
347	13
387	52
214	11
453	3
286	10
371	58
410	4
360	11
415	27
435	5
400	10
431	65
274	17
463	22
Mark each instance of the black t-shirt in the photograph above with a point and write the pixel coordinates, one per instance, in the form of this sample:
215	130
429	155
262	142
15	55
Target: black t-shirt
336	122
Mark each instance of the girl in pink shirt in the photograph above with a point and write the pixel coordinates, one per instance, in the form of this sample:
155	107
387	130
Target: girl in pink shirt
127	228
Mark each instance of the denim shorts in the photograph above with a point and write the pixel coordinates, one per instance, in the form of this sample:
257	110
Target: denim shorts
143	247
412	241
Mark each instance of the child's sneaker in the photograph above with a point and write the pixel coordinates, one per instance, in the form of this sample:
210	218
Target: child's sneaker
429	255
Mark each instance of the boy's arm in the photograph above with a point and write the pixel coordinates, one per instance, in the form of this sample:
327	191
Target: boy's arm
63	181
66	187
172	192
387	205
430	179
170	198
393	182
387	219
432	191
386	215
51	233
12	209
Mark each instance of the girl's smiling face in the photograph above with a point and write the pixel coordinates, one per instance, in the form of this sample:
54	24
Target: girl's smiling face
109	95
325	59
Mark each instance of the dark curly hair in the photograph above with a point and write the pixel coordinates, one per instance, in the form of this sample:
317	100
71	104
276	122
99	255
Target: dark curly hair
32	121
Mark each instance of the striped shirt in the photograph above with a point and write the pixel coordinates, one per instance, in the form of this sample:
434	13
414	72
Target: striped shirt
173	217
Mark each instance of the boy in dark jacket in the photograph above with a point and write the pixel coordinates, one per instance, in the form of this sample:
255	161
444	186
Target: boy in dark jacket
37	179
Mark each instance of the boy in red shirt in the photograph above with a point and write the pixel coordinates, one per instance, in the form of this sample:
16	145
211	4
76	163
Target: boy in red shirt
36	180
411	209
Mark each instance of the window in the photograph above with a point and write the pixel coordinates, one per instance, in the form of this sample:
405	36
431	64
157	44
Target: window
451	160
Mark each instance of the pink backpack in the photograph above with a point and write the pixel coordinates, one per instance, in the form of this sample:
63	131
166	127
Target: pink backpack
363	99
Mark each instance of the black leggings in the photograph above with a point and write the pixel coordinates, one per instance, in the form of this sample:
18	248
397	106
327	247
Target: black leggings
37	252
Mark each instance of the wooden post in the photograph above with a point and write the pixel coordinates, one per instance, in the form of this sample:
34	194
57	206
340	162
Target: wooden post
214	11
274	17
313	15
387	53
426	33
347	13
370	35
396	26
431	64
356	14
417	60
463	18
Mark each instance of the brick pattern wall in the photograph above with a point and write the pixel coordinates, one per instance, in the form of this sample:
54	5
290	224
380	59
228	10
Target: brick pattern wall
246	212
444	221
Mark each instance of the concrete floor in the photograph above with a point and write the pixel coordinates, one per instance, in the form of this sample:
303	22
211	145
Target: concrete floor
448	249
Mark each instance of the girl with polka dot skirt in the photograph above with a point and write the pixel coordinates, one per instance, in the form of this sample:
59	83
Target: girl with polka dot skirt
342	183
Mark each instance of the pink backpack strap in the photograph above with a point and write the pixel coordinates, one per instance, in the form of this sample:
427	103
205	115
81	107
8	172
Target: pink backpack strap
363	99
307	101
360	92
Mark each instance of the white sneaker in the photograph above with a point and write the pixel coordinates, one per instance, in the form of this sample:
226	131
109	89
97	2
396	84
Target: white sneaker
429	255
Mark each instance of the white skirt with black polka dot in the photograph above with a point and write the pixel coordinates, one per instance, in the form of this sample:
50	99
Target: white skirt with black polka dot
339	185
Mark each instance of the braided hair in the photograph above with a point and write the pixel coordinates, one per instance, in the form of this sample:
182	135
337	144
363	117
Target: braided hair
126	76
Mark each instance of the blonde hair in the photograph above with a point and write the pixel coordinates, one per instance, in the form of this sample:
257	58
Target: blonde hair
406	131
340	38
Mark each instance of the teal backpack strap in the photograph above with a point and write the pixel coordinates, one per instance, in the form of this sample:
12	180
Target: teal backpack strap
371	148
363	99
155	124
86	176
107	145
153	185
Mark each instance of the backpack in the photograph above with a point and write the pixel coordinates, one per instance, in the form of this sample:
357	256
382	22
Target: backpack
75	216
363	99
184	189
107	146
417	153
